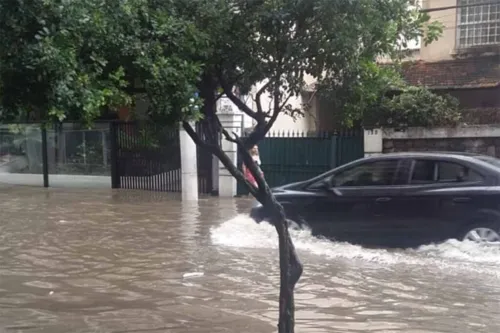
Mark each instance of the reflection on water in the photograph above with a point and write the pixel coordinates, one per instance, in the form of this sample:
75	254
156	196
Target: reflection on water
102	261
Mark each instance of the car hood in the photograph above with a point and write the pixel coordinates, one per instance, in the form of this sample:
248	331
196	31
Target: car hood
278	190
287	187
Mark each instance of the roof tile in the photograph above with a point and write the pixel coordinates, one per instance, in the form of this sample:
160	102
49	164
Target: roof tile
478	72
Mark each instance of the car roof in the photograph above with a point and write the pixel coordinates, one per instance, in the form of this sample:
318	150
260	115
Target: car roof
464	156
410	154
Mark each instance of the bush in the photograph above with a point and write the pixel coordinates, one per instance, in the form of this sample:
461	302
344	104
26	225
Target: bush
414	106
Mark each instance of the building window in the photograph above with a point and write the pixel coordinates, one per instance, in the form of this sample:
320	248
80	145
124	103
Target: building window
478	25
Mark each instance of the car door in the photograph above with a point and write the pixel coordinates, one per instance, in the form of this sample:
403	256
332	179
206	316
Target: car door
432	201
358	198
416	205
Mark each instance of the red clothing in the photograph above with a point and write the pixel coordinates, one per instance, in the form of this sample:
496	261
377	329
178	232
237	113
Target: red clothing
249	177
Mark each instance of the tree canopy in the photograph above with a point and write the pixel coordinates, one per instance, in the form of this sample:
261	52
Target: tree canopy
65	60
278	43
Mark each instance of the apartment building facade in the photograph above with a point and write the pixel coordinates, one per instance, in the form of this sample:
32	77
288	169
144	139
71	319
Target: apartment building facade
471	27
465	60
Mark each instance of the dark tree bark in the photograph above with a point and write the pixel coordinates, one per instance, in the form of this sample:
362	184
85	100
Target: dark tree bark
290	266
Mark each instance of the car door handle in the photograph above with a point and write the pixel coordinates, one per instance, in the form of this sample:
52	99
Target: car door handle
461	199
383	199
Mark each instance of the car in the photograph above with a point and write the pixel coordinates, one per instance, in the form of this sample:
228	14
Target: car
401	200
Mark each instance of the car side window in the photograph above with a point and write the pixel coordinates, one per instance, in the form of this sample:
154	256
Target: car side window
454	172
424	172
431	171
376	173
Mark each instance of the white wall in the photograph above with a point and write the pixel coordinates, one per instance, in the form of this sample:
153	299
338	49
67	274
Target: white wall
284	122
374	138
473	131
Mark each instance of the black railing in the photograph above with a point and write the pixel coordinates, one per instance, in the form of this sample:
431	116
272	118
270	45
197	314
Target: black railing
145	156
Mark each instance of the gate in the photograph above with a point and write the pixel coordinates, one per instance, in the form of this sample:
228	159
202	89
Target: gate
297	156
145	156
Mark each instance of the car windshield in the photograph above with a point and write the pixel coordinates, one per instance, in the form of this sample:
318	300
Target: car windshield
491	160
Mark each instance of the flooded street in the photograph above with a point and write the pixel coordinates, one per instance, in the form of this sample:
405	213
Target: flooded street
101	261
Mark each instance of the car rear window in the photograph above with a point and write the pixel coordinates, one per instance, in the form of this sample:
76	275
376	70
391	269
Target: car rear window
433	171
453	172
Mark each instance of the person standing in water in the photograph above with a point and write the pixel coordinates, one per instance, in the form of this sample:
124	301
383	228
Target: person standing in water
254	152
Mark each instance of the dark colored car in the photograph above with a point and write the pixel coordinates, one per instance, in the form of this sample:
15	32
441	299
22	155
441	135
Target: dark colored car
399	200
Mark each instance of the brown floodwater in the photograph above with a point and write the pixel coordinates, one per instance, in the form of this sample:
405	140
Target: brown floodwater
130	261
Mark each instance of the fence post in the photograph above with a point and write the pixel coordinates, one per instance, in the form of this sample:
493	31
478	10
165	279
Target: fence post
333	151
45	157
373	143
115	177
104	148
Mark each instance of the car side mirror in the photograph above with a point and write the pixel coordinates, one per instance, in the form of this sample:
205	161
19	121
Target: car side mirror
329	186
326	185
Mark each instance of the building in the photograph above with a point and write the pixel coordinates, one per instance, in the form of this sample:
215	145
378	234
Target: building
469	29
463	62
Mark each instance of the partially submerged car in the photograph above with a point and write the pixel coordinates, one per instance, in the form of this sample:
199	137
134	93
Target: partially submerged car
399	200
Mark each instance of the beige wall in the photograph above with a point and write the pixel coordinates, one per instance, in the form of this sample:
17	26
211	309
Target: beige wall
442	49
284	122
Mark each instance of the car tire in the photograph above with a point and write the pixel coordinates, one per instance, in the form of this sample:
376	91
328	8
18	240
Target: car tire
487	232
296	222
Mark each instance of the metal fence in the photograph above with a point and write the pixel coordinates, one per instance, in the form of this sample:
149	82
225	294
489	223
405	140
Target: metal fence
29	154
80	151
147	156
119	154
289	156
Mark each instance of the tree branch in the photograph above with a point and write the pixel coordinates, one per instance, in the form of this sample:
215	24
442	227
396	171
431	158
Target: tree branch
219	96
258	94
238	102
228	136
225	160
285	101
262	127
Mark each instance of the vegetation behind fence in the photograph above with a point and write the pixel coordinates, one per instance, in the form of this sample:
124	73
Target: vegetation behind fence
291	156
71	149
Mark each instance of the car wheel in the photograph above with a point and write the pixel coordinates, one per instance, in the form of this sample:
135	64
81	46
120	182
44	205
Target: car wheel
296	222
483	233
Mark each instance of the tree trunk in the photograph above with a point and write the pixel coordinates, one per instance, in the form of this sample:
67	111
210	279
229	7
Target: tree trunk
290	266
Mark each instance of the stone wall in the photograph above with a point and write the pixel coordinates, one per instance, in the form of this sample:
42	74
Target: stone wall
481	116
483	139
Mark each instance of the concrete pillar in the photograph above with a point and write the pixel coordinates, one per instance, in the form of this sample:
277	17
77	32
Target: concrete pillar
373	142
227	183
189	168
